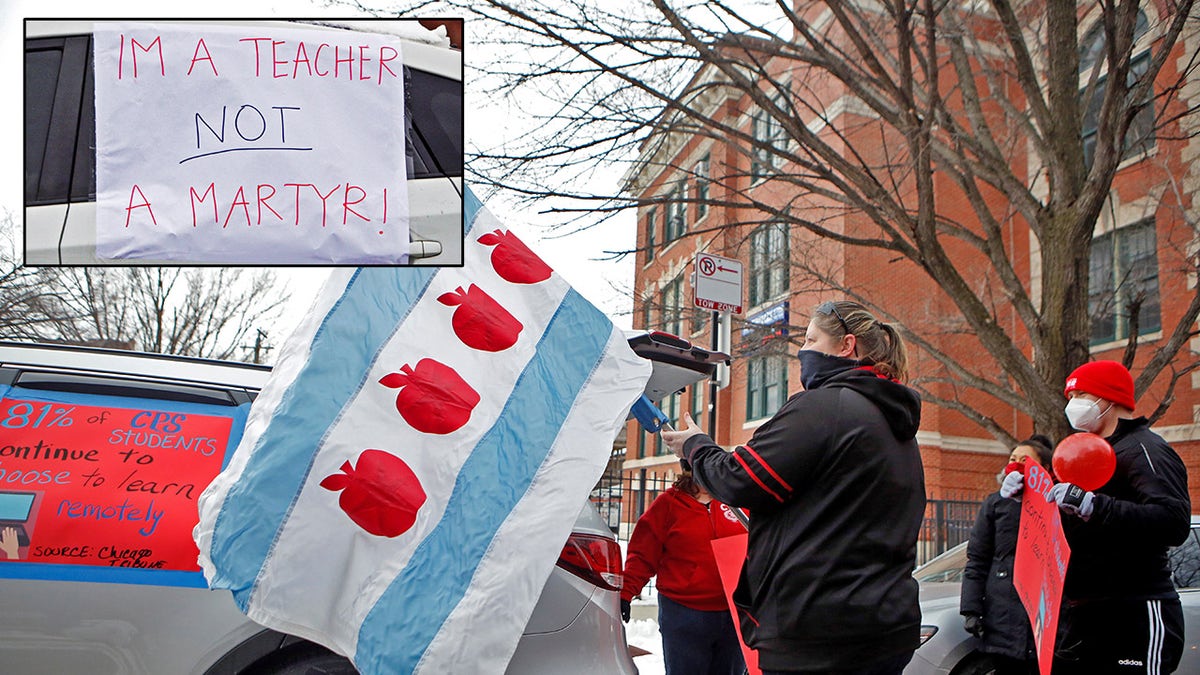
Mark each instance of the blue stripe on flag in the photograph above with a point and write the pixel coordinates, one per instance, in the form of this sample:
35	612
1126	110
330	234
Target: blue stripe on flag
410	613
471	208
375	302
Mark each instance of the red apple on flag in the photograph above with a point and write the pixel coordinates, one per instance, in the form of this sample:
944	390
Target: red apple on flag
433	398
382	494
480	322
513	260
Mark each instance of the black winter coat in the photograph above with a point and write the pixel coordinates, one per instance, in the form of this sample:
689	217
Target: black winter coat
836	494
987	586
1121	551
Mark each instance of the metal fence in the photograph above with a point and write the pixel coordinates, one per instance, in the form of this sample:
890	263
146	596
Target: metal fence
947	524
621	500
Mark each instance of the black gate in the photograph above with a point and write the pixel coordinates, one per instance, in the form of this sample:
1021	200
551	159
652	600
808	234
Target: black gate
622	499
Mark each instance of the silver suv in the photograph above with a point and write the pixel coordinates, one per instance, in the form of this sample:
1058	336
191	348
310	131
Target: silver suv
132	618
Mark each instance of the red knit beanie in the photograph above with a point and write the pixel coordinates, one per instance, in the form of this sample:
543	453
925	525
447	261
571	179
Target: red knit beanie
1109	380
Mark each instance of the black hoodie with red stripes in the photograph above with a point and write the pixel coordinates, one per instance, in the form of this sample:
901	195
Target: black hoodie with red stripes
836	494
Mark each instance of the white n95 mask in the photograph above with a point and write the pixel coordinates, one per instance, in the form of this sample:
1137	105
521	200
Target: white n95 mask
1084	414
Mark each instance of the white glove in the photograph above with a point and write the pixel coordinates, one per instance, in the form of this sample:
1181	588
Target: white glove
1012	486
1072	499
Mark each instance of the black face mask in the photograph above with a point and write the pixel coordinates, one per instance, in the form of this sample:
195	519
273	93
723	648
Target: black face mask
816	367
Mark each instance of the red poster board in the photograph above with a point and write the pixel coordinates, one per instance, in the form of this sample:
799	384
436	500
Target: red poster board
1041	562
730	553
87	486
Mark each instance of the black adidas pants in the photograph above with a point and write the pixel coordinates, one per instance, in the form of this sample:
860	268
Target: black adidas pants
1119	636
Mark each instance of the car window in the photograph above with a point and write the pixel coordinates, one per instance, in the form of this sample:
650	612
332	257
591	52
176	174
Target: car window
60	121
41	76
1185	562
112	386
434	105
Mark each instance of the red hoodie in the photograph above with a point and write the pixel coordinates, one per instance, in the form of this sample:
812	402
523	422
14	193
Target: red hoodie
671	540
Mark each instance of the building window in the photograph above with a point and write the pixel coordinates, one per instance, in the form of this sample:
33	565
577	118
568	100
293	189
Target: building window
676	223
672	312
648	314
701	172
698	316
769	140
770	265
651	226
766	385
697	402
1139	138
1123	275
670	407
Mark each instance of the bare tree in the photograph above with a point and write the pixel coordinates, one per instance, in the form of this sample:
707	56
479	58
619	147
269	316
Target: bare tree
30	308
880	118
208	312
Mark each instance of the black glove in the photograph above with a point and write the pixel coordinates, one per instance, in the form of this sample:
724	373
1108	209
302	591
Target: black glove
974	624
625	611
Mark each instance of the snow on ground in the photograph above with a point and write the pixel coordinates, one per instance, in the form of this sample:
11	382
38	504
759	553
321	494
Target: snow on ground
644	633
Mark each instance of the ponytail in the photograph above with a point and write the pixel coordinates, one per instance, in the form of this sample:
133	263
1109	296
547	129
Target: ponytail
879	345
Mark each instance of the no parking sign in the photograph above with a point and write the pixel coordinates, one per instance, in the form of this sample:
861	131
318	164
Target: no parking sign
718	284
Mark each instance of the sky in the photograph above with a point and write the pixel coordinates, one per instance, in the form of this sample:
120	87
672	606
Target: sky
606	283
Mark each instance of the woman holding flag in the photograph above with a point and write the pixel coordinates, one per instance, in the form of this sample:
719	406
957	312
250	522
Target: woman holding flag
836	494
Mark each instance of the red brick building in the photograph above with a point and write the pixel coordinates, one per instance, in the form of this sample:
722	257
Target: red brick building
1145	240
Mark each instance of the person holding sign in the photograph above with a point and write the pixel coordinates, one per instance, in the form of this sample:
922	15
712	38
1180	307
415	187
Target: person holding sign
1120	611
672	541
991	609
836	493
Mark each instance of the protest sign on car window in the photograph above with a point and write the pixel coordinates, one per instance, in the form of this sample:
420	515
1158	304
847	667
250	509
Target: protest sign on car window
261	144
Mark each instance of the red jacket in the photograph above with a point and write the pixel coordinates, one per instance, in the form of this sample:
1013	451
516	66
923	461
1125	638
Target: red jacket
671	540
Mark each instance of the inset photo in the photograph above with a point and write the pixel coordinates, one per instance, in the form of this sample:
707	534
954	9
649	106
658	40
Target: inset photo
243	142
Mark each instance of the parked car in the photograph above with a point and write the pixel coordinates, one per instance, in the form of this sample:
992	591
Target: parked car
947	647
60	142
130	618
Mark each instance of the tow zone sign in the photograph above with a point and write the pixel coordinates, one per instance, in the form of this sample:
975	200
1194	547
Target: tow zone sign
718	283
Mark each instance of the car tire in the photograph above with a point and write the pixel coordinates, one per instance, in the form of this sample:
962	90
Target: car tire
977	664
305	658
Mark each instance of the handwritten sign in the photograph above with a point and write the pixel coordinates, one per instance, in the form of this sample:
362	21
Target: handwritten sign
1041	562
104	486
249	144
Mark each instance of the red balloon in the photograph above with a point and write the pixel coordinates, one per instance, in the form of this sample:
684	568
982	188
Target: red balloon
1084	459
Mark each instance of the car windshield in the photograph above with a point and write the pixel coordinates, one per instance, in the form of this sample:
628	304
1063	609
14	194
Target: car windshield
946	567
1185	561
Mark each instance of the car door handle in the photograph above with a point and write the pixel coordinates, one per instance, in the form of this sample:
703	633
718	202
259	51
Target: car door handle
424	248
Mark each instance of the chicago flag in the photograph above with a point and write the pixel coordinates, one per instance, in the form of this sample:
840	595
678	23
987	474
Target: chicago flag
412	469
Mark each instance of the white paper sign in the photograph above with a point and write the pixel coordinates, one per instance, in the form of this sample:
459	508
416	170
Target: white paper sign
249	144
